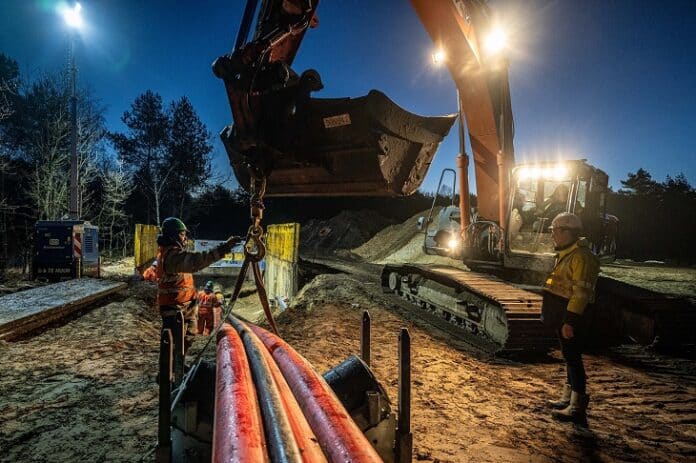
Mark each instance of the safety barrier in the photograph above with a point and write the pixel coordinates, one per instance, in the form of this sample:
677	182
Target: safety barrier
145	244
282	255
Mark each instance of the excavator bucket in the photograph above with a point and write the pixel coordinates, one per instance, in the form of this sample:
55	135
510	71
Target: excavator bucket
342	147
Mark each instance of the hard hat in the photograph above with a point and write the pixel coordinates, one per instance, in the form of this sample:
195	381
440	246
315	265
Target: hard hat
566	220
171	226
209	285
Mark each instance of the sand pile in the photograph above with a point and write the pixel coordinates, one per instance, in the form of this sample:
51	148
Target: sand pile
401	243
344	231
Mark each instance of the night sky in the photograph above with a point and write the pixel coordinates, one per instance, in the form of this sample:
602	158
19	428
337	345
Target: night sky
610	81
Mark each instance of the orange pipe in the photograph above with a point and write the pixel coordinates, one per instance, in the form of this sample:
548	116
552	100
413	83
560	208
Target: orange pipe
338	435
304	436
237	427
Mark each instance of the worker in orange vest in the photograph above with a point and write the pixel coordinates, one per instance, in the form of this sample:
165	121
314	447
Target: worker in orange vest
150	273
176	290
209	309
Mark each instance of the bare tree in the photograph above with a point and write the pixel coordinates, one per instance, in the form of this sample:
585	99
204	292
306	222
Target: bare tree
112	218
49	183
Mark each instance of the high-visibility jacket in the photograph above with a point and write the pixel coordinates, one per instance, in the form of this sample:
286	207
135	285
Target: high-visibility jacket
174	289
574	277
208	300
174	273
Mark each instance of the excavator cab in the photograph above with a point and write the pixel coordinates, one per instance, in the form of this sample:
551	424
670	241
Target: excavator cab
541	191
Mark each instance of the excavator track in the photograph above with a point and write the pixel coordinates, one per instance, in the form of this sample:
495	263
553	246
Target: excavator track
495	315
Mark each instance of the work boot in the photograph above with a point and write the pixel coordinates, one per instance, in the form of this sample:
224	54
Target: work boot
576	411
563	401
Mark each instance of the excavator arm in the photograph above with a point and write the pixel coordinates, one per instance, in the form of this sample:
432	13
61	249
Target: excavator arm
304	146
458	27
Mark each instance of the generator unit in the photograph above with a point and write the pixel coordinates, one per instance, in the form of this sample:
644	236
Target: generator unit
65	249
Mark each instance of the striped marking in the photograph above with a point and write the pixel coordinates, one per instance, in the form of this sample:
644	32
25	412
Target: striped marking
77	244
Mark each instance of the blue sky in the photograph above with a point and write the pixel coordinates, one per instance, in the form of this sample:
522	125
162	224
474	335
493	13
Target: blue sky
613	82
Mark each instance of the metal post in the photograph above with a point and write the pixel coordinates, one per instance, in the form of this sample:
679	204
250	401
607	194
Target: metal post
404	438
365	338
74	198
163	454
179	347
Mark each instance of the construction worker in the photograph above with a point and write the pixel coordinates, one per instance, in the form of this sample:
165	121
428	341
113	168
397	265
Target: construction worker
176	290
568	291
209	309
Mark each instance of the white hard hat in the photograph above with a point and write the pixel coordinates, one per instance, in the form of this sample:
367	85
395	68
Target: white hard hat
567	220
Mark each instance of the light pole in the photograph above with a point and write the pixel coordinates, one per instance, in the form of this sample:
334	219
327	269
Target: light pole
74	21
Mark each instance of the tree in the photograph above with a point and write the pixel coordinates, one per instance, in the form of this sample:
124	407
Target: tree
640	183
189	151
9	84
143	150
112	218
678	186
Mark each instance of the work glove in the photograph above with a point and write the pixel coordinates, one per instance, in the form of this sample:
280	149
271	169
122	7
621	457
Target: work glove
231	242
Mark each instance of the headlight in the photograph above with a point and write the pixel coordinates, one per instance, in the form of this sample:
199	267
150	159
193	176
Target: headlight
453	243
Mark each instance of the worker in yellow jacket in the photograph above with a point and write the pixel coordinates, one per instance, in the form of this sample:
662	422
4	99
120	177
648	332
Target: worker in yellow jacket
568	291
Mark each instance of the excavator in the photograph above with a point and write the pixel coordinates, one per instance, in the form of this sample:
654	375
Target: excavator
284	142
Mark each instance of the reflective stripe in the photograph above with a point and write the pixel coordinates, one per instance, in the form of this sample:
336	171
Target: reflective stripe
567	279
206	300
173	288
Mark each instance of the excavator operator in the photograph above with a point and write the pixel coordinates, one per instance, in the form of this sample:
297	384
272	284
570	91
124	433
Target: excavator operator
568	291
176	290
553	205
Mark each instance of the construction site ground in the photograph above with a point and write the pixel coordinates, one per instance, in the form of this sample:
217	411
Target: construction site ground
84	390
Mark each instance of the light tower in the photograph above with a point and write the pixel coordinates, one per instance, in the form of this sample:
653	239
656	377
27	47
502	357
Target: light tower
73	19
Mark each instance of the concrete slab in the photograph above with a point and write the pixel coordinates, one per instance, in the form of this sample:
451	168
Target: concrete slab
28	310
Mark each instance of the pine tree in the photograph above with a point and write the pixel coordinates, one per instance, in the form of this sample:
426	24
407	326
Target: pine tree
640	183
143	151
189	151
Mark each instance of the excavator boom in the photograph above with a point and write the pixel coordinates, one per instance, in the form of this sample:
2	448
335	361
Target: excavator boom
457	27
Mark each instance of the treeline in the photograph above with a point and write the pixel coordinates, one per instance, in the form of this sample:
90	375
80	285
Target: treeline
152	170
657	219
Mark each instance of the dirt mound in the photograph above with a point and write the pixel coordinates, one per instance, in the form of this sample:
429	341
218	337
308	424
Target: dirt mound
663	279
390	239
347	230
336	288
401	243
118	269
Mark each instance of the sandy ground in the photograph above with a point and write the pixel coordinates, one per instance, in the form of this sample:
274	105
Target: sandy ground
471	409
680	281
85	391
